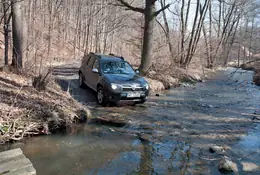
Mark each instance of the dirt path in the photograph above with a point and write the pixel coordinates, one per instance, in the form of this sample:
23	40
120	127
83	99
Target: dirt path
67	78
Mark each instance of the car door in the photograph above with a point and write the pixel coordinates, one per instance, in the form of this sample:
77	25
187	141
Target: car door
94	78
88	71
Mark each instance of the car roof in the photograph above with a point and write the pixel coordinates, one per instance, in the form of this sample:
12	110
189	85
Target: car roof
104	57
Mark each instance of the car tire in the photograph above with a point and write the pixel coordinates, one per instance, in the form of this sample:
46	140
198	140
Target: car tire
81	80
101	99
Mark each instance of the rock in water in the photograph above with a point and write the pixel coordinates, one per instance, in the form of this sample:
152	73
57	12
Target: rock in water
217	149
226	165
249	167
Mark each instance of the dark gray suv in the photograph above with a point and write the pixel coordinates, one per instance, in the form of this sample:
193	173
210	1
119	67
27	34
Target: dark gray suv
113	79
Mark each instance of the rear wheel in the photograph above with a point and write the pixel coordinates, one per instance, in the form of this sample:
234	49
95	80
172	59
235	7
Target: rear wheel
101	99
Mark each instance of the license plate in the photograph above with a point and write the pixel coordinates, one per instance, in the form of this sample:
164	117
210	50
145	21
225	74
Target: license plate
133	94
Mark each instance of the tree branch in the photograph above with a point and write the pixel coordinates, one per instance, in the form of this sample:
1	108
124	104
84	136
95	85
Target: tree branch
162	9
130	7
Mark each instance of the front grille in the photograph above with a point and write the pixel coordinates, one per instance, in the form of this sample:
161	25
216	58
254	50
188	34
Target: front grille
129	87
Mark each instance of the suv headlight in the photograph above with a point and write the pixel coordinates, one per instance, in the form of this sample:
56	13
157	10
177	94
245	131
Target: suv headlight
146	86
115	86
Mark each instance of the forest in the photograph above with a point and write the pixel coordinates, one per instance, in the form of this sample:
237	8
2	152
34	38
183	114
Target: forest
164	33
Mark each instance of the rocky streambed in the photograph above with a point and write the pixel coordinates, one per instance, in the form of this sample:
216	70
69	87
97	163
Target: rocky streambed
208	128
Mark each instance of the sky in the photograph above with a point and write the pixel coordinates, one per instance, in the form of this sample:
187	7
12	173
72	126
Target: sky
173	19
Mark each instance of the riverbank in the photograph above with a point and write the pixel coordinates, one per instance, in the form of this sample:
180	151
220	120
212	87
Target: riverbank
25	111
161	80
256	77
253	66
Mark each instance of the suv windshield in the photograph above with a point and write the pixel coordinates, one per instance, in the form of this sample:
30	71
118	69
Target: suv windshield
118	67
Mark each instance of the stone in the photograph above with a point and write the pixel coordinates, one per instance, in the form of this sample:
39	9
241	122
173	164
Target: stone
155	85
109	121
249	167
144	137
14	162
218	149
82	115
169	81
226	165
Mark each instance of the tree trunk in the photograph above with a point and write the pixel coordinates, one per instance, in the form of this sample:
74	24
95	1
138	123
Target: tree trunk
211	65
18	30
6	31
146	60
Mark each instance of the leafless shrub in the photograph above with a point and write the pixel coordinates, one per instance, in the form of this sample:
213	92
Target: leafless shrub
41	81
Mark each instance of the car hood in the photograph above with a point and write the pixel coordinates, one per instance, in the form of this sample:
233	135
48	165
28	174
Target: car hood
125	79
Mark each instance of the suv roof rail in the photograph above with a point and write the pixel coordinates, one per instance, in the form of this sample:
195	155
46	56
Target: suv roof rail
121	57
92	53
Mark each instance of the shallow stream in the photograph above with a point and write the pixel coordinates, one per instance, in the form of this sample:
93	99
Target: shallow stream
170	134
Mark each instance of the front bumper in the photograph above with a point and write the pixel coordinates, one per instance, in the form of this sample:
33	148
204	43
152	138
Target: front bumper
113	96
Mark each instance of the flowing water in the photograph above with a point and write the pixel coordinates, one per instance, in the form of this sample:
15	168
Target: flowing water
170	134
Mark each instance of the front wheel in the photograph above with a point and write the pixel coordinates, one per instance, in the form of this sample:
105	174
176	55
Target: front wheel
101	99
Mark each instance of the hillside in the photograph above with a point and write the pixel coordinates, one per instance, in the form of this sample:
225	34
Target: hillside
24	111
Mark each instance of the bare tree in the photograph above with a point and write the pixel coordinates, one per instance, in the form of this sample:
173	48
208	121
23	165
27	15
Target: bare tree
150	13
7	17
18	32
188	50
166	30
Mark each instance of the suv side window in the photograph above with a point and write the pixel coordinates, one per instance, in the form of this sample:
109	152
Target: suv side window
96	64
91	62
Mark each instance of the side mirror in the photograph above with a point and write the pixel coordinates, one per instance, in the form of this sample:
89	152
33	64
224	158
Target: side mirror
137	71
94	70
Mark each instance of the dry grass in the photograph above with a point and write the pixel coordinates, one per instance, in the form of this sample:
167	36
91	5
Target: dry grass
25	111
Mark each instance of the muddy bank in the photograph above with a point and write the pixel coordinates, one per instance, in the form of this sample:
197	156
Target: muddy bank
163	80
253	66
24	111
257	78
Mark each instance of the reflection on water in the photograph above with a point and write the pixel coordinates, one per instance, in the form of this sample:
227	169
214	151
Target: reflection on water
178	128
113	154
